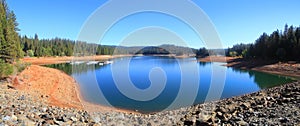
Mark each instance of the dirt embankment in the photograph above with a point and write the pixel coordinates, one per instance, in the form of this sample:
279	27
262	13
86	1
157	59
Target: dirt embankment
51	85
56	89
57	60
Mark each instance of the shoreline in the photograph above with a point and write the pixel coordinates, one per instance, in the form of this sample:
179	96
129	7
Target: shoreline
231	111
58	98
272	67
273	106
93	107
67	59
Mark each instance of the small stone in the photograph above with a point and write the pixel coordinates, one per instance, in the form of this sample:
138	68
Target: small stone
204	117
21	97
246	105
286	100
58	122
44	109
14	118
28	123
96	119
242	123
50	122
283	120
21	112
46	116
219	114
65	119
6	118
74	119
193	119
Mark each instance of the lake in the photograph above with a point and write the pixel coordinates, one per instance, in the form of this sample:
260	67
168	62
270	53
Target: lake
152	83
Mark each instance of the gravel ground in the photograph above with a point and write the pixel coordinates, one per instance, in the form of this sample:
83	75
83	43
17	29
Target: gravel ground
275	106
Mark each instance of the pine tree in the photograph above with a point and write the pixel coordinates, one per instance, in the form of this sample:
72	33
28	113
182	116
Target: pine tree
10	48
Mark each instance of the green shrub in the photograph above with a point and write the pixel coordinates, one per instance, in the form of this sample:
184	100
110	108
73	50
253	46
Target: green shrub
233	53
20	66
30	53
5	69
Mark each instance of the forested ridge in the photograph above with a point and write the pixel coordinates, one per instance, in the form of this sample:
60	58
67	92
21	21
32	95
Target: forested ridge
13	46
279	45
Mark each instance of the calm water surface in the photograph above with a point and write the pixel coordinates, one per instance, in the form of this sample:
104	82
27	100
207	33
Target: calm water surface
94	79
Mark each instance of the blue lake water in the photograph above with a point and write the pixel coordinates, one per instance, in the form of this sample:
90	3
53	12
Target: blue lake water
152	83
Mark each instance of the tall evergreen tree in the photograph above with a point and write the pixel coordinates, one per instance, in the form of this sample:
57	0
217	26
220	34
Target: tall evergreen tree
9	38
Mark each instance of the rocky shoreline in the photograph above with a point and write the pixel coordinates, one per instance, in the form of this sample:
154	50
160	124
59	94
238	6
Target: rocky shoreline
274	106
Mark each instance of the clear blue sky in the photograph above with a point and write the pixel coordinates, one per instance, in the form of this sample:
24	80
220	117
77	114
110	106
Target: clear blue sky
237	21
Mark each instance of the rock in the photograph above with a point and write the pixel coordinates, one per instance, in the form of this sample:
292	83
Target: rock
242	123
14	118
6	118
58	123
204	118
28	123
44	109
246	105
74	119
11	87
22	97
286	100
219	114
46	116
96	119
283	120
223	110
189	123
193	119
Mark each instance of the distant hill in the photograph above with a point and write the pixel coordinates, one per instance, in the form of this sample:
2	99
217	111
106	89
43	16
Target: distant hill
162	49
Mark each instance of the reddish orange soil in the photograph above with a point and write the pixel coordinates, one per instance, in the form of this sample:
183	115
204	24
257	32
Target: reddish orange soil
53	85
57	60
216	59
55	88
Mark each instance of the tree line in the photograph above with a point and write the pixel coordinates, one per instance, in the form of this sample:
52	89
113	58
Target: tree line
34	47
280	45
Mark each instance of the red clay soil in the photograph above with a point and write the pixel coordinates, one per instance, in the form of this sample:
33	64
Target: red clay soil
53	85
57	60
216	59
56	88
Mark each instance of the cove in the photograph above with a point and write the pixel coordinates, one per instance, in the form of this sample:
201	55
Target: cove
94	78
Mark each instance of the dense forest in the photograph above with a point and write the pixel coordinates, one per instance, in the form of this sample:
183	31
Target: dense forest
34	47
153	50
281	46
161	49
